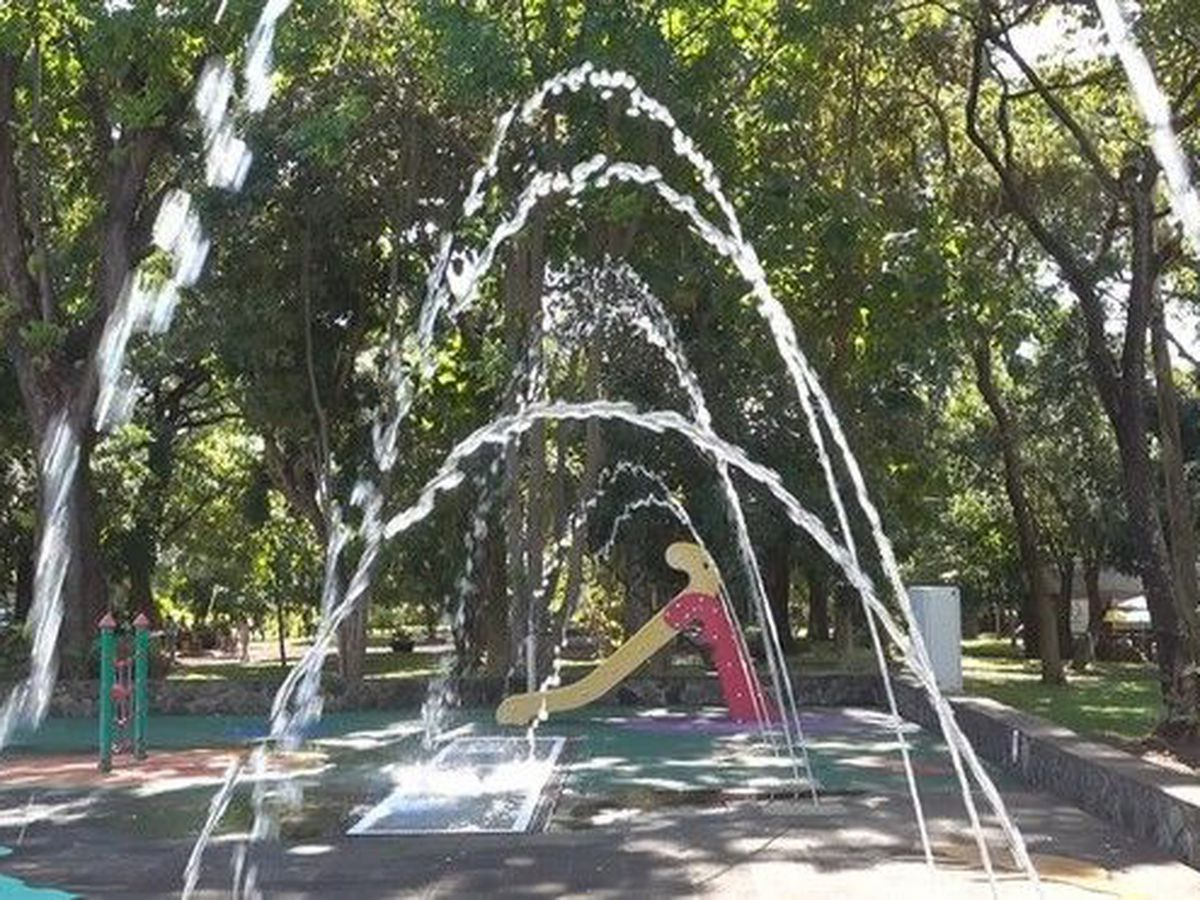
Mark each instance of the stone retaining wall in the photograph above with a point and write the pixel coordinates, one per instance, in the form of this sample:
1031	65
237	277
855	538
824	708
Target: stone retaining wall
1152	802
78	699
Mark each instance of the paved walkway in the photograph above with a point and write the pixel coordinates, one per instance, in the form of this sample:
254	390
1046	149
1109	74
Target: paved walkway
656	825
850	847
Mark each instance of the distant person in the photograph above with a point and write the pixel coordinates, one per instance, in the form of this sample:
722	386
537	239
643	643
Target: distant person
244	639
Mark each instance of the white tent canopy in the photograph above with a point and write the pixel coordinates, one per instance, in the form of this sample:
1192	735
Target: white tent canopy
1129	614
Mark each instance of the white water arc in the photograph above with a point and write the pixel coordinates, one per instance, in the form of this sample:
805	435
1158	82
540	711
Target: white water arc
627	296
571	323
460	279
471	265
503	430
660	332
144	306
672	506
675	508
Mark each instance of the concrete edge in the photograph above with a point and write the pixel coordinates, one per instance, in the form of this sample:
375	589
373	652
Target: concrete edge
1151	802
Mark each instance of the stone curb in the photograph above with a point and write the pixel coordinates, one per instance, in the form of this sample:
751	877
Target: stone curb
1152	802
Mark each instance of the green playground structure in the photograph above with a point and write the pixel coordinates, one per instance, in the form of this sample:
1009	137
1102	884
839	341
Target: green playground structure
124	697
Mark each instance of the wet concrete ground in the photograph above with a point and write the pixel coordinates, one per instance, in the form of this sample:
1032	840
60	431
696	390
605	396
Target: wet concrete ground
649	811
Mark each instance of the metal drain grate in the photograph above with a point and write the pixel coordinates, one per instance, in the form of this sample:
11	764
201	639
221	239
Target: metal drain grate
473	784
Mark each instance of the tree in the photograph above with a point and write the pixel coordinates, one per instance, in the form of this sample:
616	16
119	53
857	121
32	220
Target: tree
1121	180
1015	486
91	101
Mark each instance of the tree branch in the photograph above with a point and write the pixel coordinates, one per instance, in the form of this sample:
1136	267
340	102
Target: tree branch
1140	189
1090	80
1086	146
1106	236
1185	92
36	173
1076	271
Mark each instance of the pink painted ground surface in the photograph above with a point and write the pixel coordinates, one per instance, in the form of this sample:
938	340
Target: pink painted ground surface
75	770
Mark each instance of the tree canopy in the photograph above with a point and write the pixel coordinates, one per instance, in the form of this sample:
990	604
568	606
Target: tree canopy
965	222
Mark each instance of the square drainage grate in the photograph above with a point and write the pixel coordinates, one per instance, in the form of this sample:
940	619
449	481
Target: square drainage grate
473	784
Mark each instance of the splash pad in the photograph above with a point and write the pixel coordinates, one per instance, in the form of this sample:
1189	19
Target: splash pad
359	530
485	785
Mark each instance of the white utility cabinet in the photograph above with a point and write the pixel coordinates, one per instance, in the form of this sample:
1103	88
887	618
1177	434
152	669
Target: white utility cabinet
938	610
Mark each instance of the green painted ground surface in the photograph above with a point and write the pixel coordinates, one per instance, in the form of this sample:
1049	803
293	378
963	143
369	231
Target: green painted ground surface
182	732
613	753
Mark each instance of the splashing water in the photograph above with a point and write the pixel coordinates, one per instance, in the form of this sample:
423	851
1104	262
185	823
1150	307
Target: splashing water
672	506
599	172
731	245
646	313
145	305
451	287
650	318
58	458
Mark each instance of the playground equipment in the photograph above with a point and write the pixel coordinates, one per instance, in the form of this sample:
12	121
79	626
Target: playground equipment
698	608
124	699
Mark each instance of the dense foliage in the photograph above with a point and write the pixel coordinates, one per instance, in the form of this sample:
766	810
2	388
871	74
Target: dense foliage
918	180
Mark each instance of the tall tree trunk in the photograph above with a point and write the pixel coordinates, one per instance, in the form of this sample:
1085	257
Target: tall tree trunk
1031	627
85	593
1182	545
281	626
1027	541
60	382
1121	393
352	632
141	586
1120	385
593	461
1176	653
641	597
818	606
352	642
843	628
493	596
1066	585
141	546
777	578
525	458
538	514
514	547
1171	644
1091	584
24	566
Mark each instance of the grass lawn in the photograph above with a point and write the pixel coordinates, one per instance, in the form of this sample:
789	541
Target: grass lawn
1113	701
378	664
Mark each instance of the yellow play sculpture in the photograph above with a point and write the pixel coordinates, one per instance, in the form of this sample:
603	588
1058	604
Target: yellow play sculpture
698	603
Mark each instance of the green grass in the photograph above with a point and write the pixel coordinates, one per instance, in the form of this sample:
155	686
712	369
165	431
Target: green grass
377	665
1112	701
